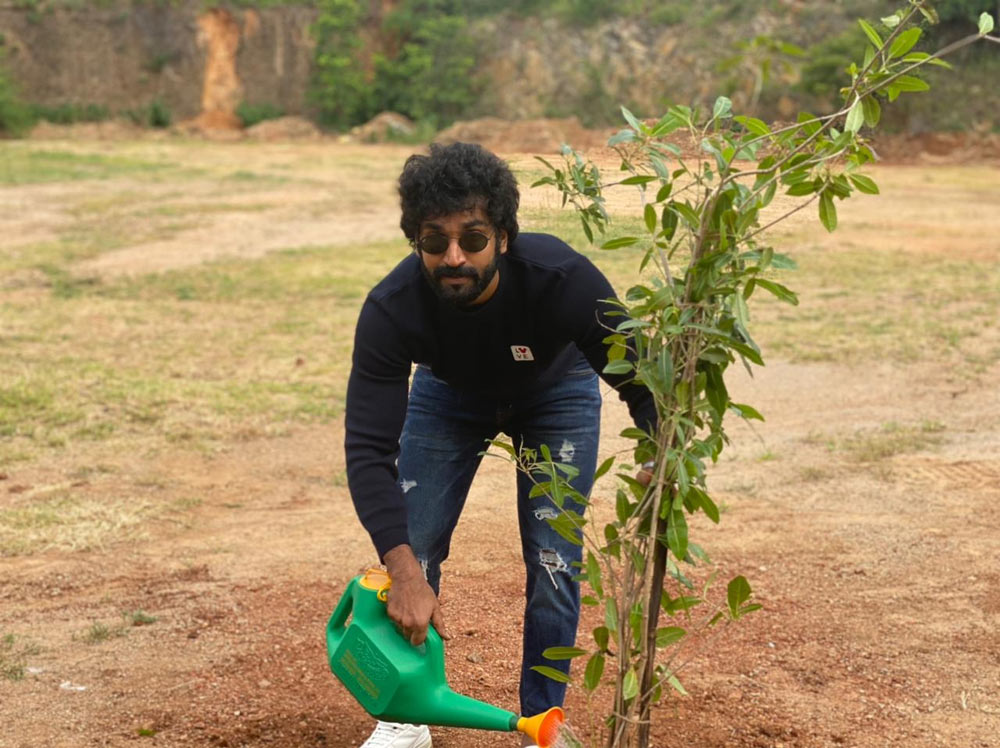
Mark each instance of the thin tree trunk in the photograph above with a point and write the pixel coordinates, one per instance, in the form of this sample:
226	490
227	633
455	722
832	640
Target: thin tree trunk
652	621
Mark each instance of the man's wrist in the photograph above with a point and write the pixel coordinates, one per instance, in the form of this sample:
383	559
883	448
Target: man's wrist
402	564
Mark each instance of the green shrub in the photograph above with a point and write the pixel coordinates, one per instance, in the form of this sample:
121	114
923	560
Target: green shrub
427	80
15	115
338	88
67	114
251	114
159	113
154	114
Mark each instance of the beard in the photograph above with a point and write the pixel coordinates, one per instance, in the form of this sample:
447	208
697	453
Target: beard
462	295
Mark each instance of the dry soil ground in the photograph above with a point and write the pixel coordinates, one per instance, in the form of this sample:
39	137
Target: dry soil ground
865	511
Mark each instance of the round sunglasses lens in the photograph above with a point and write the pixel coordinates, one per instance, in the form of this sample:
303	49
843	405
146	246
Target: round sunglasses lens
473	241
434	244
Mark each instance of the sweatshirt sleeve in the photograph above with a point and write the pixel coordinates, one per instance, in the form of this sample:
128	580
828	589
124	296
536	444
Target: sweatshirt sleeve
591	323
376	408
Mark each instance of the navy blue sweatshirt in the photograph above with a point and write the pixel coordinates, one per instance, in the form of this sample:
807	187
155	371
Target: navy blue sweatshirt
550	299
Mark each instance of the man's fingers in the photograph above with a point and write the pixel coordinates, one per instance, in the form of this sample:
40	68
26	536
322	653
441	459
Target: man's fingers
417	636
437	618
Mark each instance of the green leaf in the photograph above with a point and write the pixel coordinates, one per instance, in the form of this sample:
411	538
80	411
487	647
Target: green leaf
715	389
855	116
562	653
601	637
631	119
590	600
737	593
905	42
905	83
672	680
746	411
610	615
890	22
551	672
622	136
594	574
595	669
749	353
649	214
871	33
669	222
668	635
621	241
623	510
687	213
565	526
985	23
753	125
664	192
872	110
723	106
639	179
603	468
801	189
677	535
586	229
864	184
622	366
827	211
779	290
678	604
921	56
630	685
709	507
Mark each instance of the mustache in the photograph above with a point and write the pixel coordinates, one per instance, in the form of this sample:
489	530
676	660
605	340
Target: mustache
443	271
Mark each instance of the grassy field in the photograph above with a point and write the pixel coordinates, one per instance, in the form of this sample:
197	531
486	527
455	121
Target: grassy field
221	351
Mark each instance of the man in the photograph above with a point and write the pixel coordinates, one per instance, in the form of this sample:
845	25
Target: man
506	330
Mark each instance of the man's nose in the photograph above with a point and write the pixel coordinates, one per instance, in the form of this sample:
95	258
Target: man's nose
454	257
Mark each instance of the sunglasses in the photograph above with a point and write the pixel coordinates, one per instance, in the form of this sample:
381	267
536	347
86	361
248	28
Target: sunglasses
437	244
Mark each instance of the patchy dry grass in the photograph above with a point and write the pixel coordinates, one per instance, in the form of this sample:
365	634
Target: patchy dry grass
14	653
59	520
891	439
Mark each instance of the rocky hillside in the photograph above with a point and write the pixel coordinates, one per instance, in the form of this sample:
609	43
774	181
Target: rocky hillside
199	62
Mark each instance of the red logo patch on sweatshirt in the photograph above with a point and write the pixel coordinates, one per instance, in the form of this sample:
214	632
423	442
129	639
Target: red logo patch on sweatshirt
522	353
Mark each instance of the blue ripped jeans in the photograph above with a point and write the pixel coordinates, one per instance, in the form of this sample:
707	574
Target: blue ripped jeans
444	432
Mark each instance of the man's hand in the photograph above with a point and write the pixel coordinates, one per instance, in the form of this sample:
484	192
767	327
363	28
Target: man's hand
645	474
412	603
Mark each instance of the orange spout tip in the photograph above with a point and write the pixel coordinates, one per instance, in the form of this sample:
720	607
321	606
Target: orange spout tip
543	728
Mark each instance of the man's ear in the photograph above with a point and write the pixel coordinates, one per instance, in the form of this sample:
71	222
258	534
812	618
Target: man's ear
503	242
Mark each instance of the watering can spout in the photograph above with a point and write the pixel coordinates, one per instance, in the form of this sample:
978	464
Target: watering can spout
543	728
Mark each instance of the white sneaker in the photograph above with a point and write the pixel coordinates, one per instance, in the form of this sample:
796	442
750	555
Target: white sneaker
396	735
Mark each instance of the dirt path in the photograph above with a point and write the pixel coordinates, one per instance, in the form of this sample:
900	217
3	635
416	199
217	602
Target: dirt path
878	575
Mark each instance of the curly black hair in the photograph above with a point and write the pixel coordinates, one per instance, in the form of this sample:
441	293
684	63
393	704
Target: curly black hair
454	178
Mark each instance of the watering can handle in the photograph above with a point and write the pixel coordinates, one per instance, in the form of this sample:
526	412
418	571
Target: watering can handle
335	628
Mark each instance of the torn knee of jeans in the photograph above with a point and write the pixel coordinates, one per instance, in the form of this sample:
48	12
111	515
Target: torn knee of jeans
543	513
552	562
566	451
406	485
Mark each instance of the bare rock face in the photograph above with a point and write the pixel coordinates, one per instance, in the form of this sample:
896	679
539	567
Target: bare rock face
222	91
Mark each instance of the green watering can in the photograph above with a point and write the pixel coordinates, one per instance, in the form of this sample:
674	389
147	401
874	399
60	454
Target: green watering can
397	682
